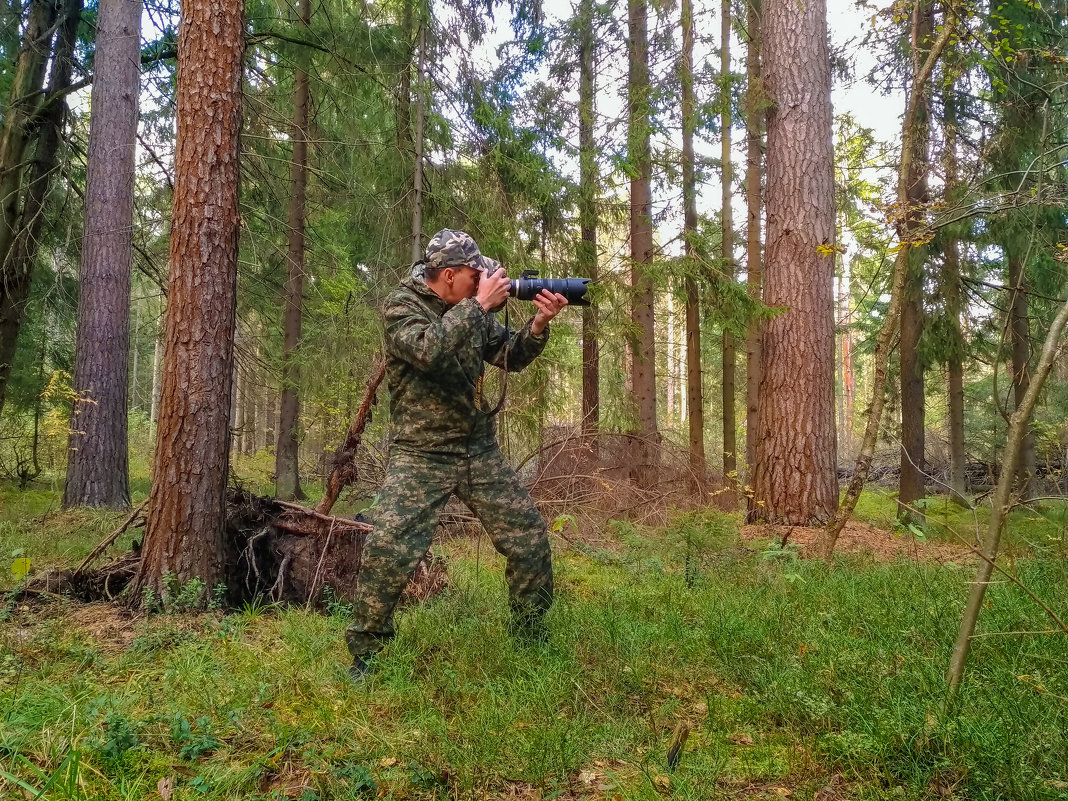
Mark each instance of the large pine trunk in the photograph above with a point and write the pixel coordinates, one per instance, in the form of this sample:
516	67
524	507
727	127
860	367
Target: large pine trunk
795	477
287	456
184	528
643	364
587	250
695	399
912	485
97	469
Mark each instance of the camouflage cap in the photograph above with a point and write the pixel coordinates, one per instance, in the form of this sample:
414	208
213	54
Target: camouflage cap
448	248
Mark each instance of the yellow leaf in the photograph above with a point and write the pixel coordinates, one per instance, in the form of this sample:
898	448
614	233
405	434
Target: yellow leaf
20	568
387	762
662	782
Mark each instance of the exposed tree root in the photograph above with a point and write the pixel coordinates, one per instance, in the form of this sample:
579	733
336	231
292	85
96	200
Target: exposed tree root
273	551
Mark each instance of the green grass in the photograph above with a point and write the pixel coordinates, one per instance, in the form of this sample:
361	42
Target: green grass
794	676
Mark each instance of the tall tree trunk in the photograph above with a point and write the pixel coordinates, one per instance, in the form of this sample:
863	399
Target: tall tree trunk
237	408
849	379
913	482
157	384
134	360
908	224
417	173
404	87
755	114
645	468
587	250
795	479
270	412
253	393
19	116
695	400
186	510
97	469
844	345
1020	337
287	456
951	288
729	498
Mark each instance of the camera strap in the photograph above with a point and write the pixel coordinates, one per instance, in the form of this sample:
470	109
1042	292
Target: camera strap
504	379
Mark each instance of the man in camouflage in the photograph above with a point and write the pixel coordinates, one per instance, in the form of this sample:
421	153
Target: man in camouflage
439	332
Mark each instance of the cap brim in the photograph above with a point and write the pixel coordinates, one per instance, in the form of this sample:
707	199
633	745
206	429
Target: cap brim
486	264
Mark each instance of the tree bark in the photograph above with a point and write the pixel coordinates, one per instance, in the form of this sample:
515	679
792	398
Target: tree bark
97	468
795	479
729	496
913	482
587	250
287	456
183	532
754	267
645	467
695	401
19	115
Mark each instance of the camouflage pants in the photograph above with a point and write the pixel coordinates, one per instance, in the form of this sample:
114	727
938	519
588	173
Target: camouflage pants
416	488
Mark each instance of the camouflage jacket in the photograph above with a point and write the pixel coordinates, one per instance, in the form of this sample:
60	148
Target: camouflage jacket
435	358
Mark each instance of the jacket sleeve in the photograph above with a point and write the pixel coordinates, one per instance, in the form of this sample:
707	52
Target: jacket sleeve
523	346
428	343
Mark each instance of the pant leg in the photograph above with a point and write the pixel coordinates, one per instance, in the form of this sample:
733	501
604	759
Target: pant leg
404	518
518	532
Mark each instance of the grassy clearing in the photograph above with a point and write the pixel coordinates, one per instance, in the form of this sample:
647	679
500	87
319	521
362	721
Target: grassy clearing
796	678
1041	528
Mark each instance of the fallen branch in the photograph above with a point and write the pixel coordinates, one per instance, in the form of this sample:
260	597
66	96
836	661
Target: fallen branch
110	539
291	521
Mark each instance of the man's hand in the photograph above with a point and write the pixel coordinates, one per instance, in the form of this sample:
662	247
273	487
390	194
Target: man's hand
492	290
549	305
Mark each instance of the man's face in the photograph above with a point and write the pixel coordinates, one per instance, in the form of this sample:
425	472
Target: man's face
463	284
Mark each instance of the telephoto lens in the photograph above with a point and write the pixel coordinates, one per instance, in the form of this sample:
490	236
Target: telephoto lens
528	286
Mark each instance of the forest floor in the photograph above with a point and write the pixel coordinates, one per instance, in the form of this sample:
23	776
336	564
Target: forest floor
796	679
